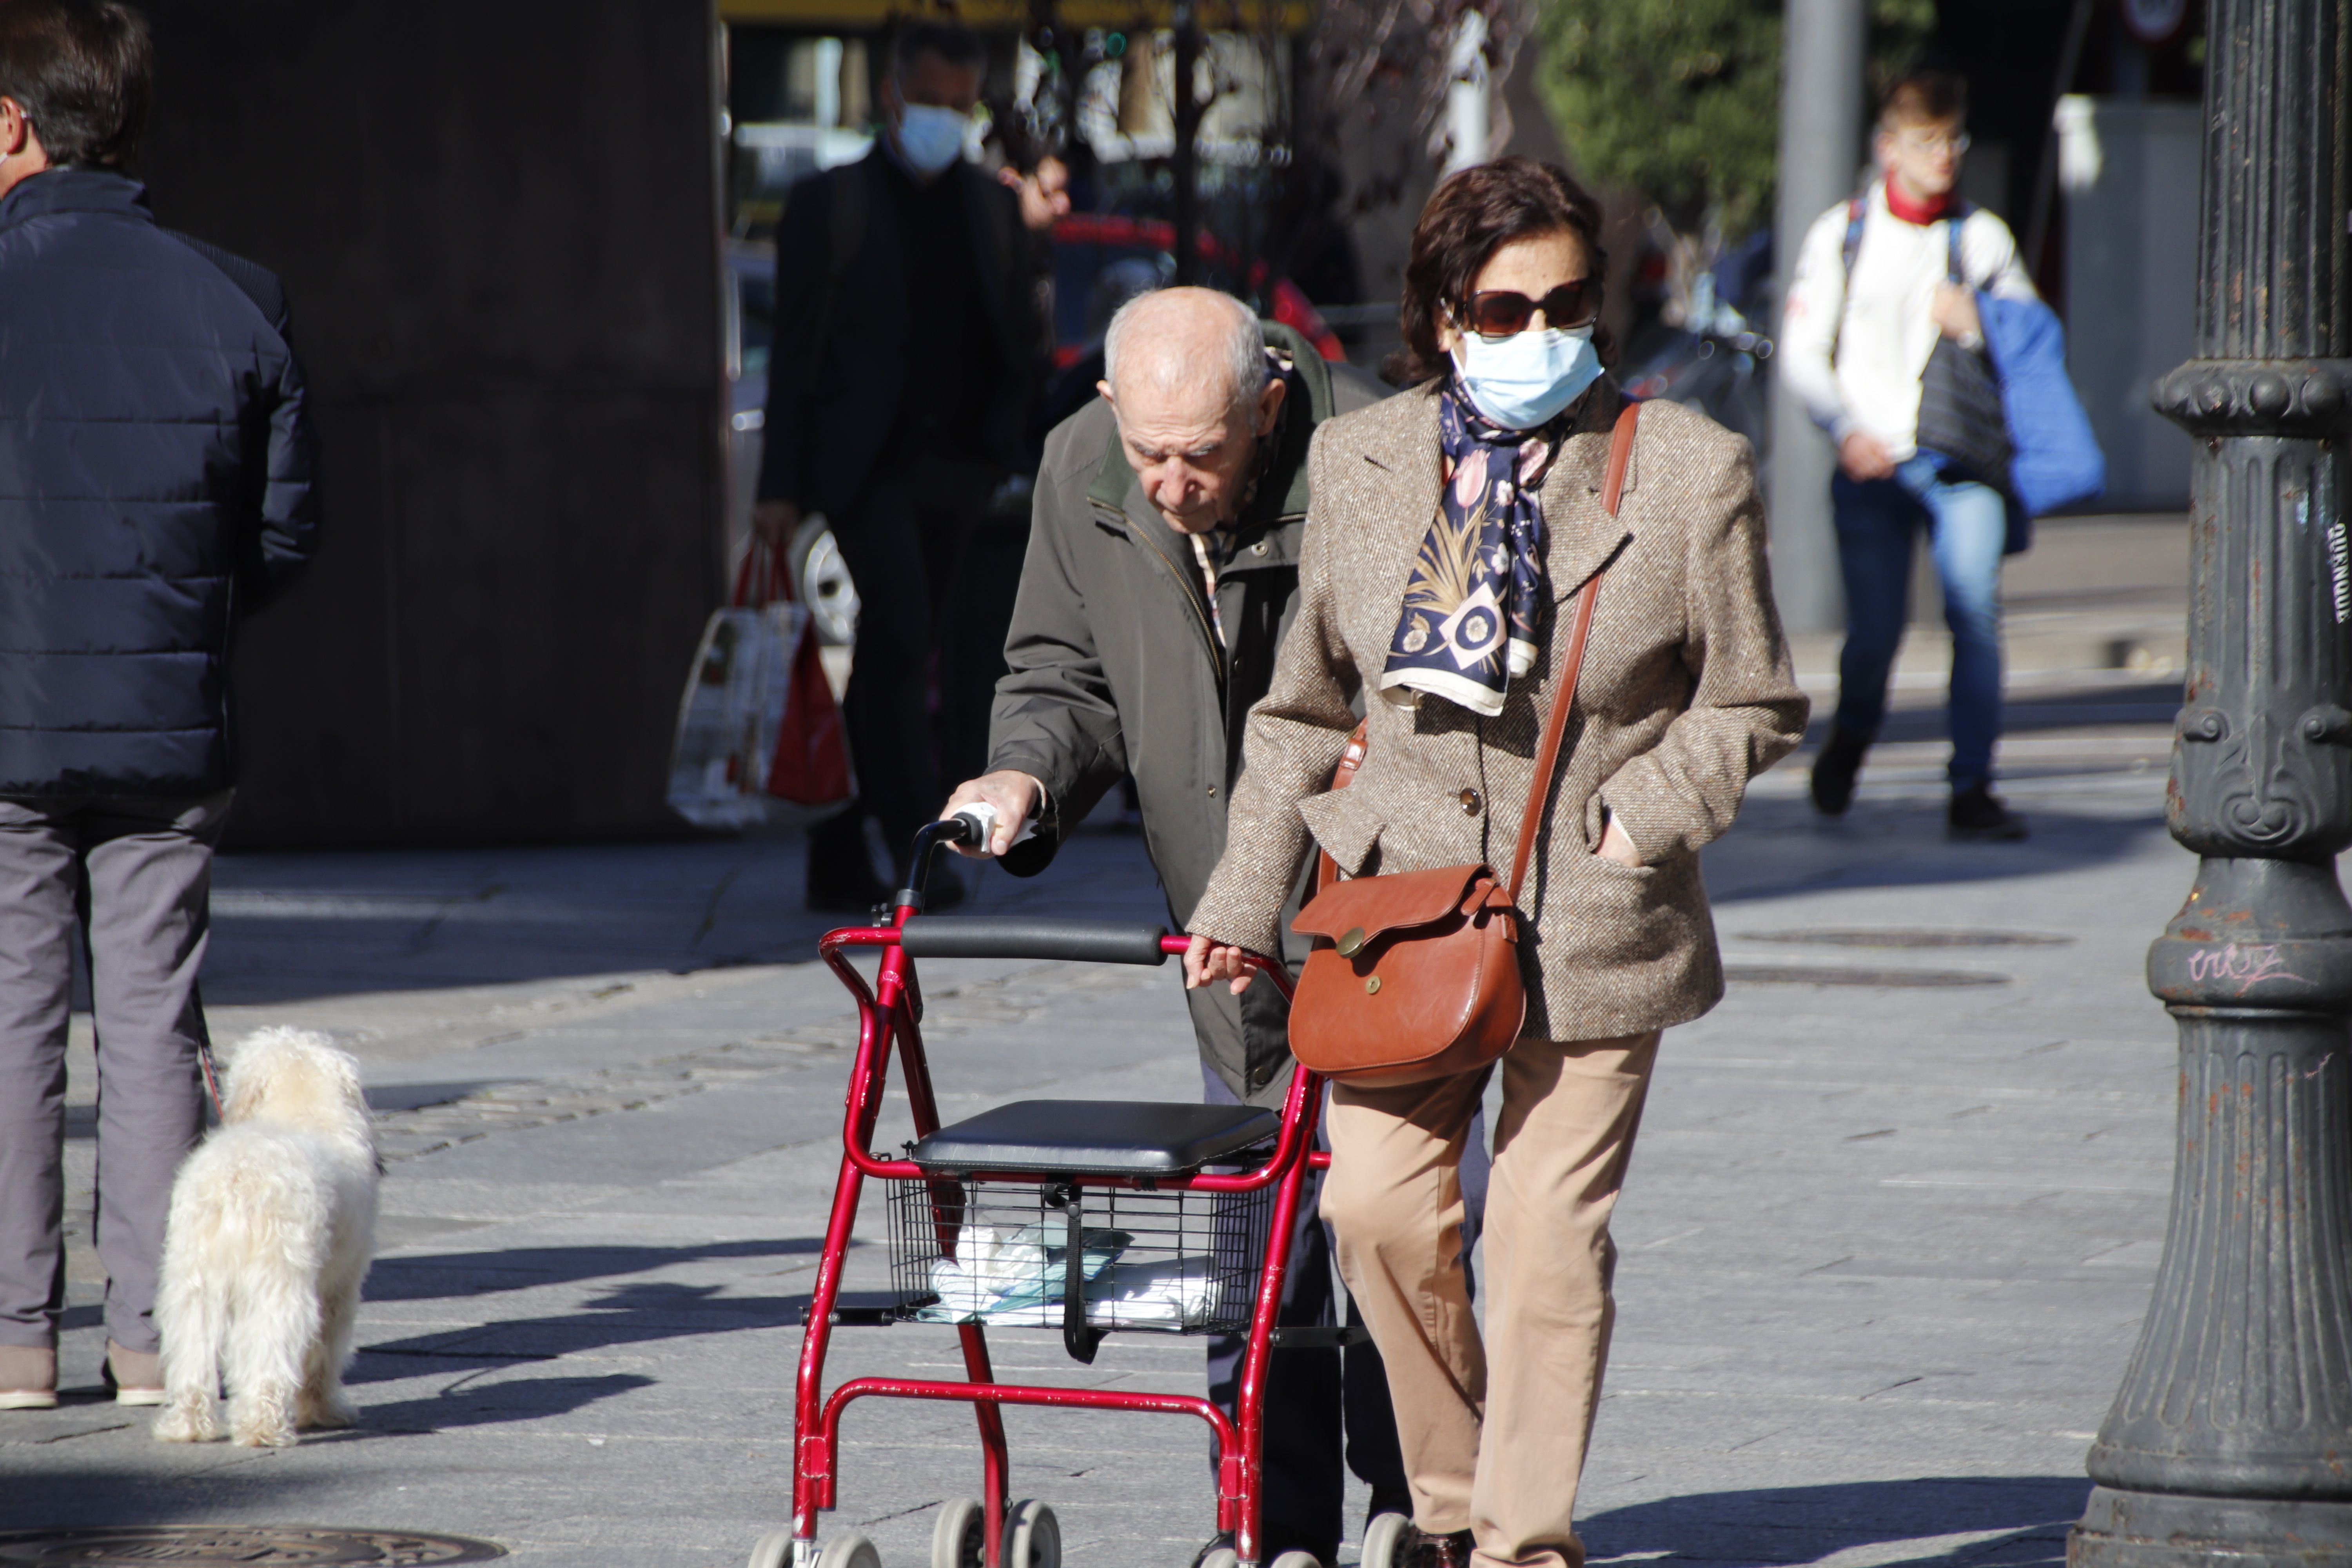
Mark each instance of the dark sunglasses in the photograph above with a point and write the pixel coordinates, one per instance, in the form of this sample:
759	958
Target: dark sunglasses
1501	313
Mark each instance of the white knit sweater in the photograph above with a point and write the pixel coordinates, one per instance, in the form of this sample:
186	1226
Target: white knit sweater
1853	350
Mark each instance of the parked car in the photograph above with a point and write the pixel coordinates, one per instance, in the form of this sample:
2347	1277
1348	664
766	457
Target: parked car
1087	245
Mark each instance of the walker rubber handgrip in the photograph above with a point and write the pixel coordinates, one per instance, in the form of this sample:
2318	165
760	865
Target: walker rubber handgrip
1074	942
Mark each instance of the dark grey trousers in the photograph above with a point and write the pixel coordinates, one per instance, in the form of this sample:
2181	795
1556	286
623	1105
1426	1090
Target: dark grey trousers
136	875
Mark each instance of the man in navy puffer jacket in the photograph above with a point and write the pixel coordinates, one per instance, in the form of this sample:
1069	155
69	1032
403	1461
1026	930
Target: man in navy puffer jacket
154	489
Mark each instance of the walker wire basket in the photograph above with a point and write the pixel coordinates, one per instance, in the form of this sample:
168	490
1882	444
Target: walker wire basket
1006	1253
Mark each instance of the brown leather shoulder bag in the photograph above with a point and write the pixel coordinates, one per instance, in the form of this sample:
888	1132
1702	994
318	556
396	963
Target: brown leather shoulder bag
1415	974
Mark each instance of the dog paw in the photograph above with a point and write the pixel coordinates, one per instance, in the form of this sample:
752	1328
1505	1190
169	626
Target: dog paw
257	1435
185	1424
329	1415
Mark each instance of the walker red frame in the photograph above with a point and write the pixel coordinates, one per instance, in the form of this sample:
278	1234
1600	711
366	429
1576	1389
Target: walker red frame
889	1014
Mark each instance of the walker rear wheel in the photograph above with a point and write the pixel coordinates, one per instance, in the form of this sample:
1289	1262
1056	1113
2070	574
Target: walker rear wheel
1223	1557
1382	1538
960	1539
851	1550
1297	1559
1033	1537
774	1551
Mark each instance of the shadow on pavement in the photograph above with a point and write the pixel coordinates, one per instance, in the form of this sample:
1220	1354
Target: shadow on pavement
486	1405
627	1314
1934	1522
2141	702
522	1268
75	1496
1783	847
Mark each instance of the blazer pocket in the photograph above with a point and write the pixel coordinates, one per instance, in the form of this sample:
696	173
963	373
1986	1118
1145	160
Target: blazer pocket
1346	824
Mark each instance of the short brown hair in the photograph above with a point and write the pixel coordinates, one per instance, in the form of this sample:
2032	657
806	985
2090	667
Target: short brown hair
1469	218
82	71
1932	96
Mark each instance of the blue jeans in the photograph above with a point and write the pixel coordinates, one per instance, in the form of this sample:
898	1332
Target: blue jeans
1967	527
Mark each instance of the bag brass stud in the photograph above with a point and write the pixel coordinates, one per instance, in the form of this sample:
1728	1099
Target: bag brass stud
1352	942
1372	987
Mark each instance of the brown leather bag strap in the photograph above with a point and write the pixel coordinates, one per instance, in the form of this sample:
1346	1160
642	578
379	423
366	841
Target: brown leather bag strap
1612	490
1326	871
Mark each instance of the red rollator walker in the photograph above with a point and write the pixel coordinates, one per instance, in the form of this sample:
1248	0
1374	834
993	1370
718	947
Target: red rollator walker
1092	1216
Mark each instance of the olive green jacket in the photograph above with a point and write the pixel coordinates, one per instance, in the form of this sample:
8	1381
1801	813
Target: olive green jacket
1116	667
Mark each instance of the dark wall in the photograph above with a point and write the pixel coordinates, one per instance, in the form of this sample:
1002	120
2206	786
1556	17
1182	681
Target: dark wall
497	226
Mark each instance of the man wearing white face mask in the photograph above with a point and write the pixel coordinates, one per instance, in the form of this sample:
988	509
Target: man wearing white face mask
897	393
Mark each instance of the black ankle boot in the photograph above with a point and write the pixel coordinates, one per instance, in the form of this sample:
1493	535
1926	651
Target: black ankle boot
1834	771
1975	814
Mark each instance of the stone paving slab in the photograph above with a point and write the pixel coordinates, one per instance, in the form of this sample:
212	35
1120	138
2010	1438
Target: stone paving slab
1884	1247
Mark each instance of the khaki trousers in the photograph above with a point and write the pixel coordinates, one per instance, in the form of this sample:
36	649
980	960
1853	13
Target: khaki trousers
1393	1198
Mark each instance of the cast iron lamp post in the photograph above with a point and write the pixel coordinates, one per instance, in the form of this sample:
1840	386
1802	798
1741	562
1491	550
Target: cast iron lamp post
2231	1438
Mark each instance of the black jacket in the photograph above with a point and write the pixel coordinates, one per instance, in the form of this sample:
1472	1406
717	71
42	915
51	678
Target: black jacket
841	359
154	486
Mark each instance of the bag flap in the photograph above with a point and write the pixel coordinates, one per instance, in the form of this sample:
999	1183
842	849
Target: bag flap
1379	904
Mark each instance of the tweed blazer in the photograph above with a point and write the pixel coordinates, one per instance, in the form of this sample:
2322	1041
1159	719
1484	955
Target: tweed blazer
1687	693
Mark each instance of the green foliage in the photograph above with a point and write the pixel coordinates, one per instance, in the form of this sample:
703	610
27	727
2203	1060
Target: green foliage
1680	100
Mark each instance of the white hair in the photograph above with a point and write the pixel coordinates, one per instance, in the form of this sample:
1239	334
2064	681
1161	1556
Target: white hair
1243	356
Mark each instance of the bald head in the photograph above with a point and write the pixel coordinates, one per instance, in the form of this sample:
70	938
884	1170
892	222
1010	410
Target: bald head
1187	378
1186	341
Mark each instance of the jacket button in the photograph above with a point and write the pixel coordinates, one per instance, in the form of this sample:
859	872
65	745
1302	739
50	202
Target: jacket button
1472	802
1212	792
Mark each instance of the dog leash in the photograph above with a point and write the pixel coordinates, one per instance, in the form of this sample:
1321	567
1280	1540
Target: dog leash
205	1061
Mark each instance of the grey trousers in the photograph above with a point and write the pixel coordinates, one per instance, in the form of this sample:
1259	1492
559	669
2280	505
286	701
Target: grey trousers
136	875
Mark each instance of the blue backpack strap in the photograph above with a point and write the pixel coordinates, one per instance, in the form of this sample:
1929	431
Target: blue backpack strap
1855	209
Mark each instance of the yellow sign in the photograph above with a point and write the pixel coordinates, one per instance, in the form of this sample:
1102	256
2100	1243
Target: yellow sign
993	15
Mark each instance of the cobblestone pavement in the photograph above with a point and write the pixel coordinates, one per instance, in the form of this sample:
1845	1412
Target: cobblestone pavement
1887	1238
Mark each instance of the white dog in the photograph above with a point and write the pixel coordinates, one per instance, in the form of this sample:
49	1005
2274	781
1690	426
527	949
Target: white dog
272	1229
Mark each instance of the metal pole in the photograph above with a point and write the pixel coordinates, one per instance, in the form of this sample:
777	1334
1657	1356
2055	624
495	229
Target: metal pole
1186	164
1469	113
1820	147
2231	1438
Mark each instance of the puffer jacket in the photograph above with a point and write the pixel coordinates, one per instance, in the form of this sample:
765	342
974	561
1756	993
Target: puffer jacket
155	487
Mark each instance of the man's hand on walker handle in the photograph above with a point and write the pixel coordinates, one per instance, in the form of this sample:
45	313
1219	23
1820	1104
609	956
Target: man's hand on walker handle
1204	961
1013	793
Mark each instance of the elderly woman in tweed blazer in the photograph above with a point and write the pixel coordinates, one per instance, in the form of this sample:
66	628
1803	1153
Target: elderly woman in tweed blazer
1481	491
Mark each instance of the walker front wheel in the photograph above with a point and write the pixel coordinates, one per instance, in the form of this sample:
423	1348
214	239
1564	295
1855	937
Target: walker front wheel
1383	1540
774	1551
851	1550
1034	1537
960	1539
1297	1559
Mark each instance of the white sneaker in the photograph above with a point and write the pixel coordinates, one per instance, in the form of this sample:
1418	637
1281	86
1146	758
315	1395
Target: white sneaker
135	1376
28	1377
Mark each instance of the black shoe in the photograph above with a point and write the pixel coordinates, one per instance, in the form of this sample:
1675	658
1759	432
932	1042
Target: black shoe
1975	814
841	880
1419	1549
1833	771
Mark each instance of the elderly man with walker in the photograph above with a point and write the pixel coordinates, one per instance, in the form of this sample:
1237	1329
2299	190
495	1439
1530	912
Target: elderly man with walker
1160	579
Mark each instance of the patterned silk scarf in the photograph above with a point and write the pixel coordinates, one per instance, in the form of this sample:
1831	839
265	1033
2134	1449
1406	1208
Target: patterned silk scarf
1477	588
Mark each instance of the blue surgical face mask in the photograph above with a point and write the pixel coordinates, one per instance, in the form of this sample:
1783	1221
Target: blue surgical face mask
931	138
1522	381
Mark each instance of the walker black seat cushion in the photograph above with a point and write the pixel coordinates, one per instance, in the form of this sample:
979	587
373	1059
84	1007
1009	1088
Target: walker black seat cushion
1120	1137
